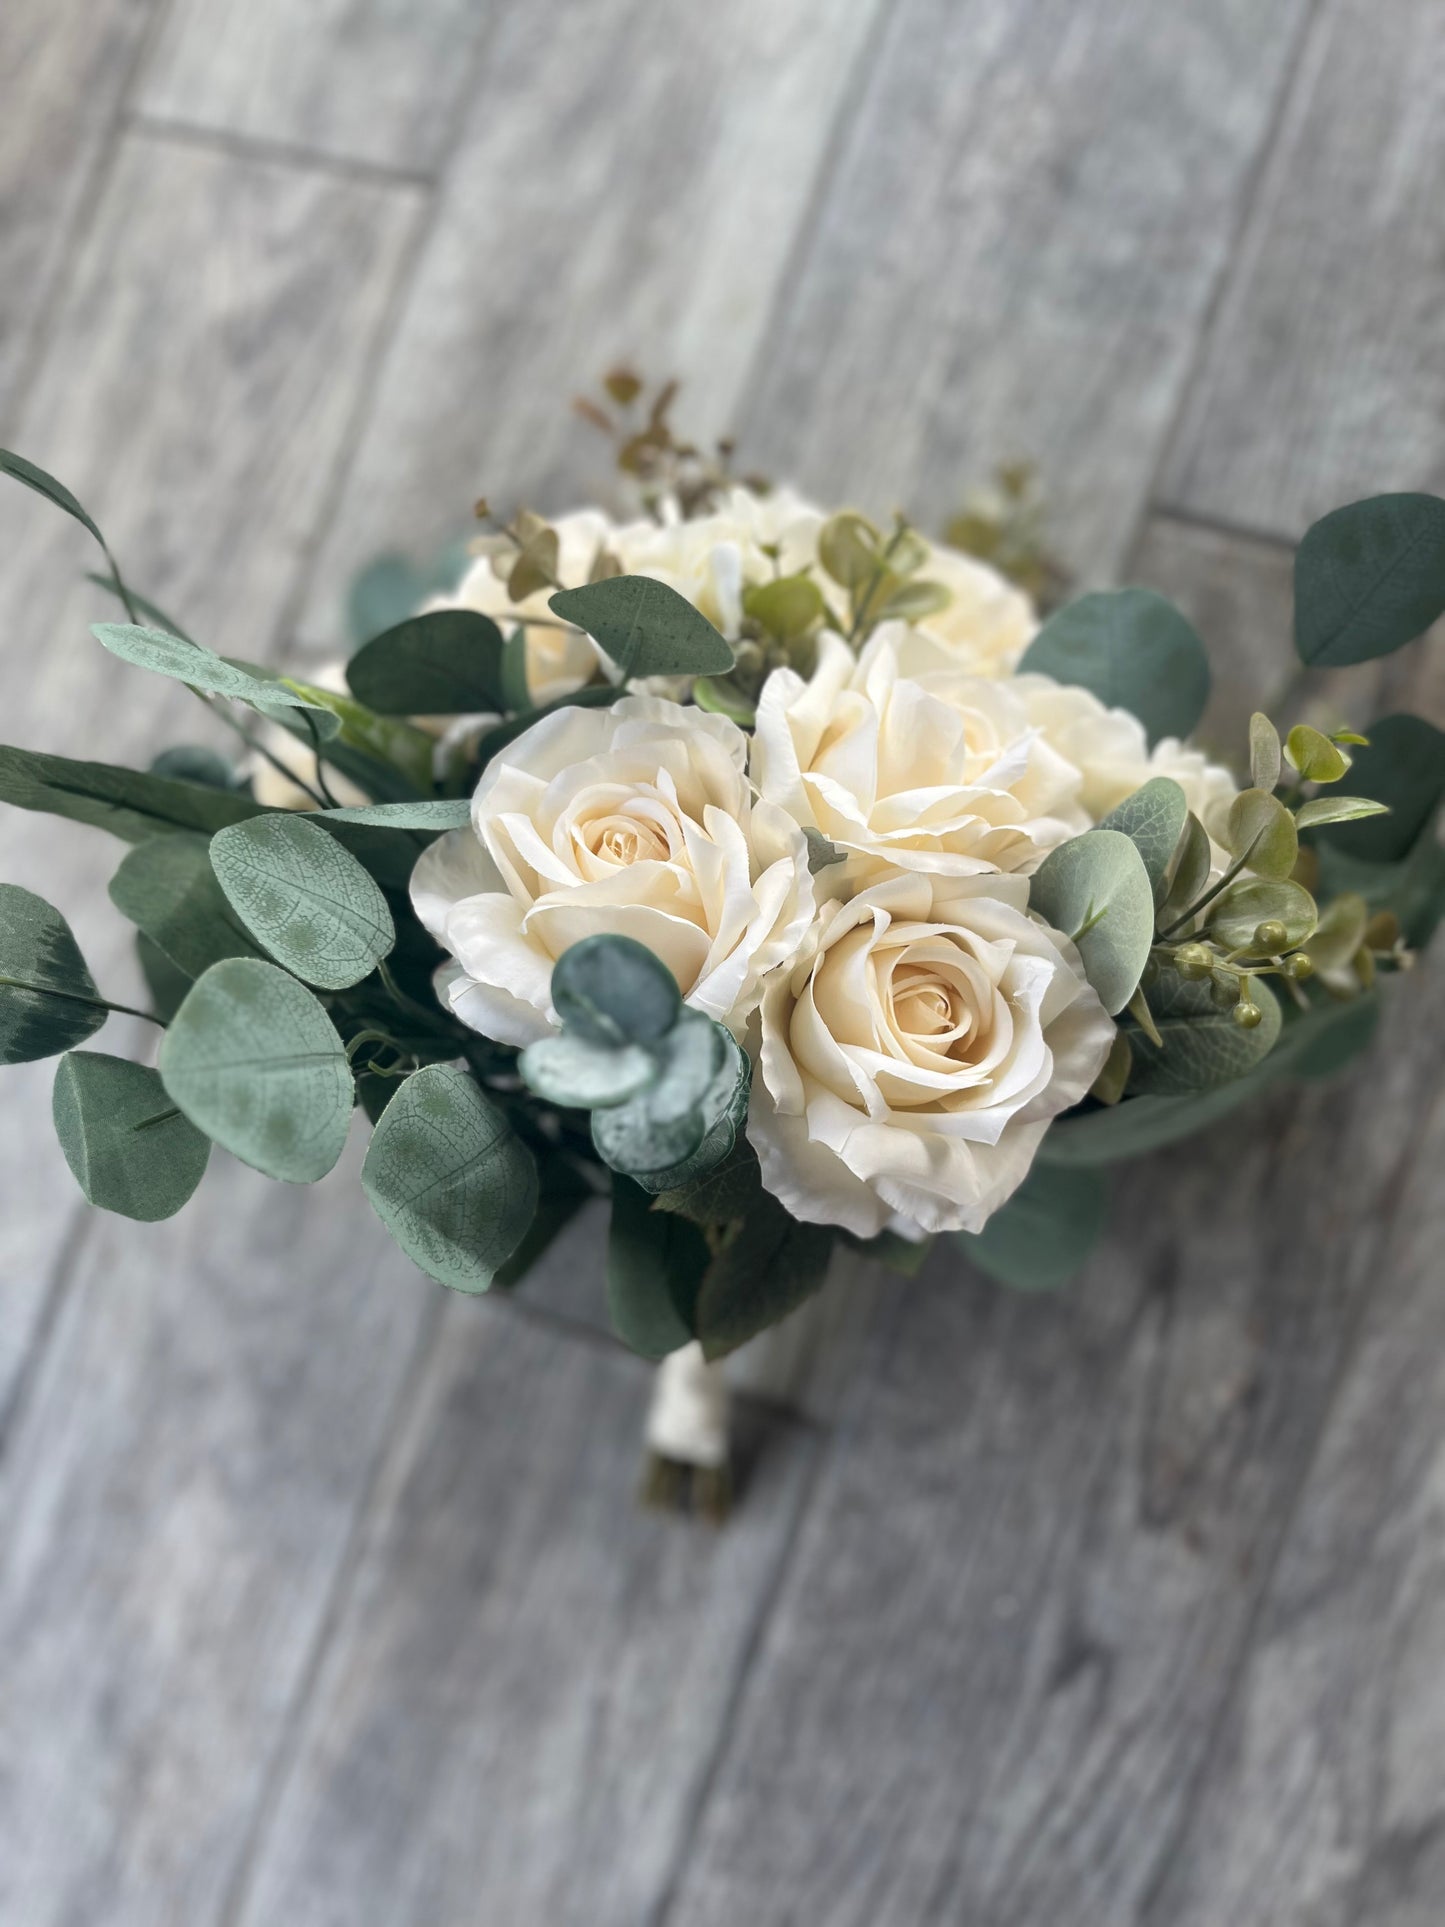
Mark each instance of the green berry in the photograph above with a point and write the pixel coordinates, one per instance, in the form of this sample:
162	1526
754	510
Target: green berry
1246	1014
1271	935
1300	966
1193	961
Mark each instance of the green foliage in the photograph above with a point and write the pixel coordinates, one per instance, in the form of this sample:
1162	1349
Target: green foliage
392	586
1402	767
1369	578
303	898
189	663
1097	890
48	999
190	763
129	1148
1321	810
787	607
769	1265
1413	888
1265	755
37	479
1189	874
166	983
574	1072
432	813
254	1061
1237	913
1317	759
647	628
562	1190
1261	832
666	1125
128	803
610	991
167	889
1153	819
1040	1237
655	1267
721	696
1134	650
848	548
367	747
723	1193
447	663
450	1179
1201	1044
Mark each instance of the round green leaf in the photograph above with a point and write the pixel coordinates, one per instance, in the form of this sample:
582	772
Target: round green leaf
1096	890
570	1071
1153	819
1261	830
1134	650
647	628
450	1179
1236	913
255	1062
128	1146
1403	767
612	990
446	663
190	763
304	898
1200	1046
1040	1237
167	888
1312	753
187	662
1369	578
48	999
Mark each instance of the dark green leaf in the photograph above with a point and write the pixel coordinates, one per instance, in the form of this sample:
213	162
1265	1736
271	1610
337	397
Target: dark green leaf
255	1062
770	1266
1369	578
48	999
1042	1235
1403	767
126	802
304	899
726	1191
516	695
167	889
128	1146
447	663
613	990
647	628
1153	819
46	485
189	763
562	1192
1414	888
450	1179
167	984
655	1266
1134	650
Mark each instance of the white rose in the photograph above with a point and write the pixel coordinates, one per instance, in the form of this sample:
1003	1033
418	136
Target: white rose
944	772
637	820
747	539
559	660
986	627
912	1058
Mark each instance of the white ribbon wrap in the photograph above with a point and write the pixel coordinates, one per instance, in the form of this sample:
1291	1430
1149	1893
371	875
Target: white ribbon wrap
687	1420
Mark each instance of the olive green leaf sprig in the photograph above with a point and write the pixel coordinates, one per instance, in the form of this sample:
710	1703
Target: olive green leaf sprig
649	451
1005	525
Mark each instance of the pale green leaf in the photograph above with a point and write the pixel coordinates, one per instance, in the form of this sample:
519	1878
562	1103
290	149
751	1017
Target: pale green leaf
128	1146
585	1076
432	813
1317	759
187	662
1264	752
1337	809
1096	890
304	899
1153	819
1259	829
1236	913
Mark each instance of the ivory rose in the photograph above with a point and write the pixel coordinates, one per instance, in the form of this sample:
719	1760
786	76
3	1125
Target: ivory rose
559	660
637	820
944	772
747	539
987	625
912	1057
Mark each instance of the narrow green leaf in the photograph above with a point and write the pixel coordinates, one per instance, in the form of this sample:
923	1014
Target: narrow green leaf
646	627
44	484
1403	767
446	663
1337	809
129	1148
167	889
1153	819
450	1179
1096	890
190	763
1369	578
1189	873
304	899
48	999
655	1266
187	662
1041	1236
1134	650
128	803
255	1062
1264	752
131	599
438	813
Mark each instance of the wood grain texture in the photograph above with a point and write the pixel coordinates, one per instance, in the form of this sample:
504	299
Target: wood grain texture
630	184
363	80
1015	254
990	1683
177	1501
525	1691
199	381
1325	379
64	68
1326	1797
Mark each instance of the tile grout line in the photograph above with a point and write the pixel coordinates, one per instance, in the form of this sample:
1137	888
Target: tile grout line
1295	65
262	150
37	1350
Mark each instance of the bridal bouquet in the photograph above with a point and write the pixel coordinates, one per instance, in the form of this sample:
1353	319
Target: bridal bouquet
770	872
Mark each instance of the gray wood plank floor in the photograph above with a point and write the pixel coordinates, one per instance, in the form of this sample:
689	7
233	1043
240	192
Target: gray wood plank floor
323	1599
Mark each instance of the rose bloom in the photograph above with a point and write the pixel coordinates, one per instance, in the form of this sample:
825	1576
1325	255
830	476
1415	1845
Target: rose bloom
986	627
748	538
945	772
913	1056
559	660
636	820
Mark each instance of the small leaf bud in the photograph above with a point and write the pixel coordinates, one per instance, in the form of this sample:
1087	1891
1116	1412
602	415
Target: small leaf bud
1271	935
1246	1014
